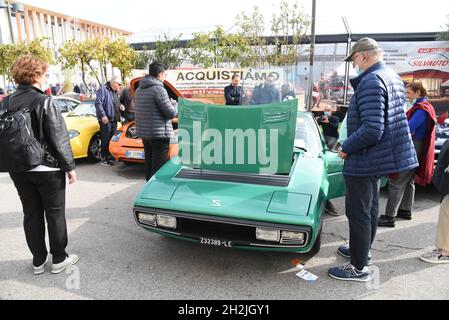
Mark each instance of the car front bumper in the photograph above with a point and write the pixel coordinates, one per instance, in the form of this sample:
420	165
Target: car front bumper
235	233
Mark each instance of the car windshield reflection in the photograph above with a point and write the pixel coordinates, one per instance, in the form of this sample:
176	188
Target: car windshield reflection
306	134
83	110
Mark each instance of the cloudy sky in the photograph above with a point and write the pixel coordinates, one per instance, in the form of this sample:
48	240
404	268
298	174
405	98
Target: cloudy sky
376	16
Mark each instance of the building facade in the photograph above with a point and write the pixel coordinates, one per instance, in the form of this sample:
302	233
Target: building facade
21	22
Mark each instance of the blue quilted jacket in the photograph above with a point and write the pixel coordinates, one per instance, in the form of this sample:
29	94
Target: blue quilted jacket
379	140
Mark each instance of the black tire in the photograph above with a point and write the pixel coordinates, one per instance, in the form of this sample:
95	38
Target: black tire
317	245
94	151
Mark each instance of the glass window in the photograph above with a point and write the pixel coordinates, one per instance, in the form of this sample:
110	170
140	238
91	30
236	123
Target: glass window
307	136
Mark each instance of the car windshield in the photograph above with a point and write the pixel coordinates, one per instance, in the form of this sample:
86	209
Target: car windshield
84	109
307	136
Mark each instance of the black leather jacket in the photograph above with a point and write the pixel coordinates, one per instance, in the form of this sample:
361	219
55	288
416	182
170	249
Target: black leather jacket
48	125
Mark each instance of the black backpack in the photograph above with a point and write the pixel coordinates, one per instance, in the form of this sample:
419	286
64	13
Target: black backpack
20	151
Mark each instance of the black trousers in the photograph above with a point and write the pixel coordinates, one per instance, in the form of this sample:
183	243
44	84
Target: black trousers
156	155
43	198
362	210
106	133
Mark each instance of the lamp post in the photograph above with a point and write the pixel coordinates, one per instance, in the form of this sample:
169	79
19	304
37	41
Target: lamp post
10	9
348	50
312	58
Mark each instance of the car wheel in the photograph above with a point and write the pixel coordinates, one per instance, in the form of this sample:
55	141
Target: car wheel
94	152
317	245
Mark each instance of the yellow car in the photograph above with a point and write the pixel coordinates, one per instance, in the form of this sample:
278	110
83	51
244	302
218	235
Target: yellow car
84	132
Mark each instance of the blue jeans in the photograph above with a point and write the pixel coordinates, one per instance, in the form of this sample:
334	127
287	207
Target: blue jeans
362	210
106	133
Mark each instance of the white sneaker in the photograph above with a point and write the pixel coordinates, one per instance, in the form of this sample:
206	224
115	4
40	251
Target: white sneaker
41	269
69	261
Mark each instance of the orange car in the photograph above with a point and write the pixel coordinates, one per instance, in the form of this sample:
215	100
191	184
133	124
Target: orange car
126	146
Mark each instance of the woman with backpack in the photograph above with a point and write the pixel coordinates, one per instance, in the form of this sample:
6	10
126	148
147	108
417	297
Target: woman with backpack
39	173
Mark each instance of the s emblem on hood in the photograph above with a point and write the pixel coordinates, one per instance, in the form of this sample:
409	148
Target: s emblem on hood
216	203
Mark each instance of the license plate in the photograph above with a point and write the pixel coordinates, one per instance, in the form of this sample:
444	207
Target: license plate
216	243
139	155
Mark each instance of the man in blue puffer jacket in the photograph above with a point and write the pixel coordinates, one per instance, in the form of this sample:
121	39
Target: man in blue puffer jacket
379	143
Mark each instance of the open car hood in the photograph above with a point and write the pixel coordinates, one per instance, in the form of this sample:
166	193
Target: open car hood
240	139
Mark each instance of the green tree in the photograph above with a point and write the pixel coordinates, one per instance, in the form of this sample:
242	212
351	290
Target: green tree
200	50
289	26
9	53
80	55
252	31
444	35
102	55
166	51
7	58
215	48
142	59
122	56
35	48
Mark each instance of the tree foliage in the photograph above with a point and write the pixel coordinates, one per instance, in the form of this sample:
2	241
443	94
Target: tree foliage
248	46
444	35
215	47
93	56
122	56
9	53
166	51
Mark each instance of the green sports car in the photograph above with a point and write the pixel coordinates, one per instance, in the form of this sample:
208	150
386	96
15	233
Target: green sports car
227	198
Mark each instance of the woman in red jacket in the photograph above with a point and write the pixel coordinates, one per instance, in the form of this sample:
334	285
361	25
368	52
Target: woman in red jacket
401	187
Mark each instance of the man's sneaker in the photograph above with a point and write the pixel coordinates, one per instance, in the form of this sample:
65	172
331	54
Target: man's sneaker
350	273
386	222
106	163
331	210
404	214
435	257
41	269
344	252
68	262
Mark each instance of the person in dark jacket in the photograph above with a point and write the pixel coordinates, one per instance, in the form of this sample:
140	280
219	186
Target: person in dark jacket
127	101
2	94
108	115
287	92
42	190
401	187
154	114
234	92
266	93
77	89
379	143
441	181
329	122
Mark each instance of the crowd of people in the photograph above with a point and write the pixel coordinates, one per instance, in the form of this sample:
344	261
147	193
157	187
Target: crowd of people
263	93
381	140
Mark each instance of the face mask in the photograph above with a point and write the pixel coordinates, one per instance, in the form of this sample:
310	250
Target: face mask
358	71
408	105
414	102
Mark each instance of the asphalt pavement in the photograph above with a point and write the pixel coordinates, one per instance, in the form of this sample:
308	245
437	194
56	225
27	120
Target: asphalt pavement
119	260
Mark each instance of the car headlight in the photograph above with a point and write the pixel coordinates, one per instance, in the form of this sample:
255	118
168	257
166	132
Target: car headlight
73	134
131	133
117	136
148	219
166	222
293	237
271	235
